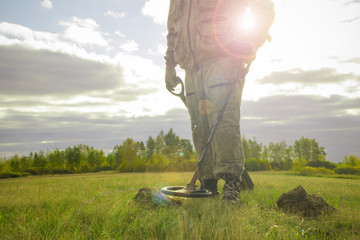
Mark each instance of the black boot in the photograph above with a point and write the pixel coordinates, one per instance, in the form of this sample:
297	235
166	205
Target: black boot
231	188
211	185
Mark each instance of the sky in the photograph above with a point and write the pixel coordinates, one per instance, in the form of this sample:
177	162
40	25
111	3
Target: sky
92	72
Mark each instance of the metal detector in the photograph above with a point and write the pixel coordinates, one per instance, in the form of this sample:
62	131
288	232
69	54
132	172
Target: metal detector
190	190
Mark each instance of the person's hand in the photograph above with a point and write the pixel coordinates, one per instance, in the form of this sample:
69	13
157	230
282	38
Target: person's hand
170	75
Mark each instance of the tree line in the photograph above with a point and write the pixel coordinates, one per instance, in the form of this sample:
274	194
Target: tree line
165	152
169	152
305	157
280	156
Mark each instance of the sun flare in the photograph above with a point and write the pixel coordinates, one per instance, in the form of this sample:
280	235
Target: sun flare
247	21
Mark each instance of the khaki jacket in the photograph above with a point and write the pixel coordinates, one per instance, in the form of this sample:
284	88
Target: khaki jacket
200	30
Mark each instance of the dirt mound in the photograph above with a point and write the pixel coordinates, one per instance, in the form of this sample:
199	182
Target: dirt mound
297	201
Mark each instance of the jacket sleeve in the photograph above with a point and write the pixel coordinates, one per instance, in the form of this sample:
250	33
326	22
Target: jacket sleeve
169	57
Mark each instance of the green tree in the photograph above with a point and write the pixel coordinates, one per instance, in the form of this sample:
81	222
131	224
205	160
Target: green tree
84	154
129	152
288	161
2	165
172	147
73	157
171	152
255	155
306	150
265	153
25	163
157	162
95	159
150	147
141	150
171	139
351	161
279	155
56	159
159	142
15	163
117	157
40	160
110	161
252	149
186	145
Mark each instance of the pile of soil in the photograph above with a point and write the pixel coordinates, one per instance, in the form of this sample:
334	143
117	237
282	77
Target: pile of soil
297	201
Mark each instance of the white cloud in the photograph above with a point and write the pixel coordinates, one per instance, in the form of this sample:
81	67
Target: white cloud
47	4
144	74
16	34
16	31
157	10
120	34
160	51
115	14
11	34
139	70
139	73
83	31
130	46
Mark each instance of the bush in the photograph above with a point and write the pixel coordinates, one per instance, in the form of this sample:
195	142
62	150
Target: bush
325	171
325	164
308	171
61	171
84	169
106	168
10	175
32	171
24	174
38	171
311	171
44	171
251	165
348	170
254	164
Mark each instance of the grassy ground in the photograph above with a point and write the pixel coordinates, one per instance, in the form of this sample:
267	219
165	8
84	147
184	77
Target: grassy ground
101	206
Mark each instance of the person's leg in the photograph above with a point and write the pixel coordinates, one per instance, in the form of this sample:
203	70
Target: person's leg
226	149
198	111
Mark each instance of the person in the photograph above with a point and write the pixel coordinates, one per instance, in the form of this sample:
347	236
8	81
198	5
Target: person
212	41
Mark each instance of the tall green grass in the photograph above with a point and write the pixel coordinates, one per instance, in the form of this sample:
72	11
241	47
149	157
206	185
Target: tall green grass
101	206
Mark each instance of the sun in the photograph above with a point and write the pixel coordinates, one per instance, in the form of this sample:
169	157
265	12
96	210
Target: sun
246	21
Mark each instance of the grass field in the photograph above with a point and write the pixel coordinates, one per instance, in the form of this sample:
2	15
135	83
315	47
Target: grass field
101	206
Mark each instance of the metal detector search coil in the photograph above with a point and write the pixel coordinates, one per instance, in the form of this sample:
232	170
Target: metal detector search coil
181	191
